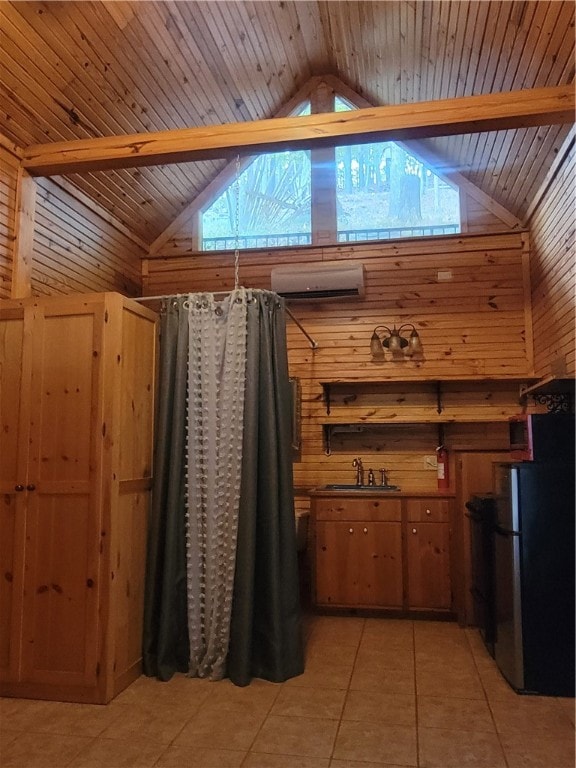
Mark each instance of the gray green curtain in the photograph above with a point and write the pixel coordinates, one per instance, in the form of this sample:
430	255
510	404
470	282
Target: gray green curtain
165	635
265	633
265	638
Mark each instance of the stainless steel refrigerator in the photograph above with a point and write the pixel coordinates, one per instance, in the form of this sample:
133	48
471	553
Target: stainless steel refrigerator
534	576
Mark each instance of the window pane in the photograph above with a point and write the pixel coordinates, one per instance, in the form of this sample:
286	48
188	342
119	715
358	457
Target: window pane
384	192
271	209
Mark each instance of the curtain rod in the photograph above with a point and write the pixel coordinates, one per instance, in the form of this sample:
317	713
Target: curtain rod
313	342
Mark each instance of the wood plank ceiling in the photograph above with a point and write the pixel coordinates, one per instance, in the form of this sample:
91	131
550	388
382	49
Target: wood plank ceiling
74	70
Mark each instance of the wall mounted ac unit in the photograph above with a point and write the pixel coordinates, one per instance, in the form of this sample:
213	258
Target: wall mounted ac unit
339	281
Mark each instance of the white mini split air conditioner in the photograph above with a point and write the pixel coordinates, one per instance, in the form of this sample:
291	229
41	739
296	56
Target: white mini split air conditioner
339	281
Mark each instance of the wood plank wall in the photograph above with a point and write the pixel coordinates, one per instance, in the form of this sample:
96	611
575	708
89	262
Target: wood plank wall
552	274
472	325
78	251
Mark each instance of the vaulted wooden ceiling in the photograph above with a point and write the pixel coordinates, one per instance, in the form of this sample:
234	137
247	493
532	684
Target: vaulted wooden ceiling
77	70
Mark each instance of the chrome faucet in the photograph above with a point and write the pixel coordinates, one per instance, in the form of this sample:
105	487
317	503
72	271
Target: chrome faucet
357	463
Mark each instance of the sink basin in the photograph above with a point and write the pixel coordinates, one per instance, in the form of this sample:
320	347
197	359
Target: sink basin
354	487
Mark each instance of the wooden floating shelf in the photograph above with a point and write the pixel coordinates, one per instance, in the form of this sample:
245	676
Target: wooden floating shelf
351	428
551	385
556	393
435	382
428	380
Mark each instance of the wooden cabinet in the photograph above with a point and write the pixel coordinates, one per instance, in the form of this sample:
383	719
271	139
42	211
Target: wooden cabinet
76	419
358	552
428	552
359	564
382	553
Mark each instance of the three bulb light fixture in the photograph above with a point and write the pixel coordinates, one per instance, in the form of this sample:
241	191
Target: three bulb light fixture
400	347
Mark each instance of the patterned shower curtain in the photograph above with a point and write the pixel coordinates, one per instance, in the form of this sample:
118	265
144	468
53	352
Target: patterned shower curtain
216	382
222	581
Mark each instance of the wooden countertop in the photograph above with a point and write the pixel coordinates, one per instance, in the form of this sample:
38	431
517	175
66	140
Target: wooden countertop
320	491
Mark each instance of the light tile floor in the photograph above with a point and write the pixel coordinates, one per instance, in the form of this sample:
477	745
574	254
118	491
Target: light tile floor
376	692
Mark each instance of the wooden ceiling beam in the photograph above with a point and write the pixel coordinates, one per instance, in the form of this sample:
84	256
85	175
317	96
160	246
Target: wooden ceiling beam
446	117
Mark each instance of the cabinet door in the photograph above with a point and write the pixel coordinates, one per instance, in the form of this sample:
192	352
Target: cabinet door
359	564
61	582
429	583
13	459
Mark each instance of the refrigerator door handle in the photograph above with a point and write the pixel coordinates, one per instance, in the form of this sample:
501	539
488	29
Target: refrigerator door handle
505	532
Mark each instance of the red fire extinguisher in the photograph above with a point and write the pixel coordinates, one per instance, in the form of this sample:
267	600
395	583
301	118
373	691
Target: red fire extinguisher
442	464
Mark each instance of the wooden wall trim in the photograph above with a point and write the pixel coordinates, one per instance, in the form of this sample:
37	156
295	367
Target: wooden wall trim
22	255
9	167
555	168
529	329
9	146
323	175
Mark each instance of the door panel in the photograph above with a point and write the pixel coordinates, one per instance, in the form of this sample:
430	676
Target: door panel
429	583
359	564
60	591
14	419
60	631
11	370
63	383
337	554
474	477
381	564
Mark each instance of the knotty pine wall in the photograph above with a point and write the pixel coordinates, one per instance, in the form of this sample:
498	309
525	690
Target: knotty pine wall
78	247
552	275
78	251
476	324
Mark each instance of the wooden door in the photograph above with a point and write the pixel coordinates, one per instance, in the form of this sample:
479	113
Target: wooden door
62	579
429	582
359	564
14	425
474	475
381	564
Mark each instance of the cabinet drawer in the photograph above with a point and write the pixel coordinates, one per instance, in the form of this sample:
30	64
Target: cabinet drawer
431	510
357	509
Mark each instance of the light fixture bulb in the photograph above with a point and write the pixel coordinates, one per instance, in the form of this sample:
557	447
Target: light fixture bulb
414	344
376	346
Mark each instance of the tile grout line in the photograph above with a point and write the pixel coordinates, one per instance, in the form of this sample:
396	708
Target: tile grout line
266	716
485	692
347	691
307	636
171	742
416	696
